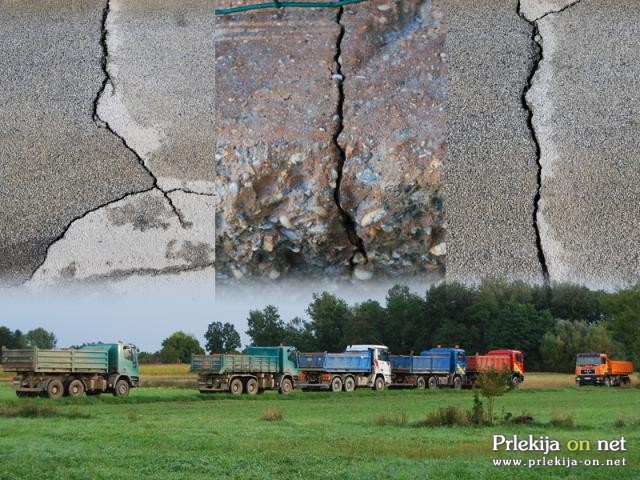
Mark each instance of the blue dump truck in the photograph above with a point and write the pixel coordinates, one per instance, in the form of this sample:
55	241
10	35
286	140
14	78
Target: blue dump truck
357	366
433	368
257	370
91	369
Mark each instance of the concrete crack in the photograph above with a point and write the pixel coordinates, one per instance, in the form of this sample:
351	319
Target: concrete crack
349	224
527	106
80	217
555	11
102	123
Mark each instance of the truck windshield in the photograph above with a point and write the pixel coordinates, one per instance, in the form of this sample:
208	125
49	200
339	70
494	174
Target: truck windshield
588	360
383	356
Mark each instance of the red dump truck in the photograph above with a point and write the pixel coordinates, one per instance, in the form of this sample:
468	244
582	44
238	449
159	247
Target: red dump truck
599	369
512	360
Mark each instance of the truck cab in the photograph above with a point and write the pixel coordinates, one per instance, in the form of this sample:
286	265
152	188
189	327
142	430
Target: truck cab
381	359
123	362
591	368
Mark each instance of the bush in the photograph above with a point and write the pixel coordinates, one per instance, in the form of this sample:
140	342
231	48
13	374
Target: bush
619	423
565	420
272	415
477	415
34	410
398	420
447	417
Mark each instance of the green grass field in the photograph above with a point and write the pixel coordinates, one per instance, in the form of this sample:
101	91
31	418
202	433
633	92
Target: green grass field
177	433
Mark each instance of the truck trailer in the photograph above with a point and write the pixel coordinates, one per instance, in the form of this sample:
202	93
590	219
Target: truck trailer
434	368
91	369
257	370
599	369
357	366
511	360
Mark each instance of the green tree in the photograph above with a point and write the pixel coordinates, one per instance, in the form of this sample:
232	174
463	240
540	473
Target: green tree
365	324
11	339
329	315
299	334
447	319
575	302
404	311
494	384
561	344
40	338
622	313
179	347
221	338
266	328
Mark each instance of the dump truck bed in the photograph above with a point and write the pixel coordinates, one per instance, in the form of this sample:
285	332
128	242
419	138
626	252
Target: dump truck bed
234	363
620	367
434	363
336	362
55	361
485	363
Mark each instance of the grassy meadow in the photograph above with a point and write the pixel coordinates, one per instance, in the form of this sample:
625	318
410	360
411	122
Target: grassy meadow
177	433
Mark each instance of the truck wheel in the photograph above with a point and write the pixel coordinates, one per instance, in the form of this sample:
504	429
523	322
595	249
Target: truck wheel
457	383
236	386
55	389
421	383
122	388
75	388
515	380
251	386
336	384
378	384
433	383
285	387
608	382
349	384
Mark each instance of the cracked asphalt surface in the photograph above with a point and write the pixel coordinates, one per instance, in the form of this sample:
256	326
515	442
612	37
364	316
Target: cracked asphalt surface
56	163
496	138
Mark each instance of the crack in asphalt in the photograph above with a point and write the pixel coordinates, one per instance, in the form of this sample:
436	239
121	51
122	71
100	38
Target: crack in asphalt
348	221
536	39
105	124
525	104
80	217
556	11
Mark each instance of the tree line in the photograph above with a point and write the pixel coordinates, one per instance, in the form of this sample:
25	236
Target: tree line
550	324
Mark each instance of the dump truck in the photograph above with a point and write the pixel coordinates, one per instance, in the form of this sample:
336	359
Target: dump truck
91	369
357	366
433	368
511	360
257	370
599	369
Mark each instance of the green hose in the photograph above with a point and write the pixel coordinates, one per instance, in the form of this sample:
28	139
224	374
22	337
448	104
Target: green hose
277	4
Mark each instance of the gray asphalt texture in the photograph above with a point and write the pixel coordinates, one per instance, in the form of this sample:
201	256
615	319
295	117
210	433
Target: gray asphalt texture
55	163
490	169
161	60
586	107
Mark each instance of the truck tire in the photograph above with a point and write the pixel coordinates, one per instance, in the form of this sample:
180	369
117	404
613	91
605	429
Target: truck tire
251	387
285	387
608	382
378	384
515	380
75	388
121	389
349	384
457	383
55	389
236	387
433	383
336	384
421	383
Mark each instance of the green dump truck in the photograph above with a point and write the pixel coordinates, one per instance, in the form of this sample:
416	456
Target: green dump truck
91	369
257	370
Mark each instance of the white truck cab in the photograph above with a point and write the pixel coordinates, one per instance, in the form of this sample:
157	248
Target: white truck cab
381	360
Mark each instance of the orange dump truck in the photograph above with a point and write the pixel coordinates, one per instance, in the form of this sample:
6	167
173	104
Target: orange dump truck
511	360
598	369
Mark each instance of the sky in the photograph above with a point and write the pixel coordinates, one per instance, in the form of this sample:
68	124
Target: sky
145	312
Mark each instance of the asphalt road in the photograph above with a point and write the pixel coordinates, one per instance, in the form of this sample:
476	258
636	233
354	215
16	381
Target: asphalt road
586	114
